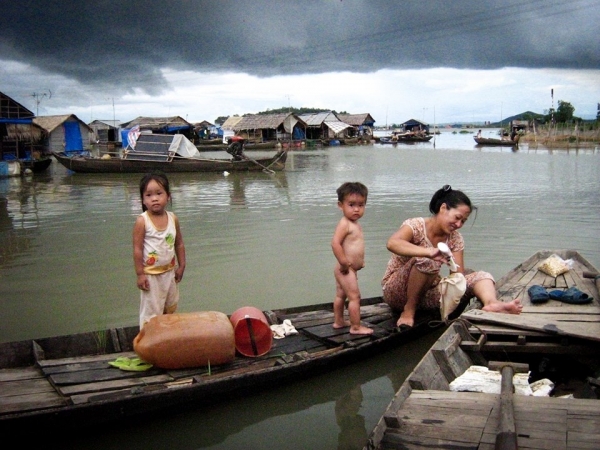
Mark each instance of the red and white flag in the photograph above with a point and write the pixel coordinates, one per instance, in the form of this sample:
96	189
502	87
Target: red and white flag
132	136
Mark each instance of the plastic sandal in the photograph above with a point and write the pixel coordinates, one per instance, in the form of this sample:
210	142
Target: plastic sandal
538	294
575	296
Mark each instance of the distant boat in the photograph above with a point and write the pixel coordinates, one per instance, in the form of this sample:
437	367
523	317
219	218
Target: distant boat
167	153
404	138
496	142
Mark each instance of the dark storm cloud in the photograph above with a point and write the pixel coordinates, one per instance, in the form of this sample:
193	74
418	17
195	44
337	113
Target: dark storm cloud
126	43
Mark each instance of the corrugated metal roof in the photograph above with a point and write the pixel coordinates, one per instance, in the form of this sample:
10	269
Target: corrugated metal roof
156	122
316	119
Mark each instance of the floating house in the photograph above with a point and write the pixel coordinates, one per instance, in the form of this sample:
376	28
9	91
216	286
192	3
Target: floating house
362	124
325	126
65	133
415	126
270	127
106	131
20	137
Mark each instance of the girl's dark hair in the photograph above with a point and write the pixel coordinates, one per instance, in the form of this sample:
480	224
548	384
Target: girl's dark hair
160	178
451	197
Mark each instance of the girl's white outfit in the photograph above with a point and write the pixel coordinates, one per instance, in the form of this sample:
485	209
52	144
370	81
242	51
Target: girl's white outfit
159	265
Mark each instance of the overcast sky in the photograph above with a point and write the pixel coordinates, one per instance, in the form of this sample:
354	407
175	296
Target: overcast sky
433	60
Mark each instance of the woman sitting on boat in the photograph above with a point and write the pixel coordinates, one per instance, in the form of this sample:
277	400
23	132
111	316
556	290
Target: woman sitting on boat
413	273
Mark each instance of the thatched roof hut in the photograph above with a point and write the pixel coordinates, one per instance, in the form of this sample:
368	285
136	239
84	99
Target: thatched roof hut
231	122
268	127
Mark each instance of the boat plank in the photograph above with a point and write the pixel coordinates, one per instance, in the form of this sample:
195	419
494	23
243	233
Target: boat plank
24	373
46	363
25	387
113	384
31	402
95	375
588	330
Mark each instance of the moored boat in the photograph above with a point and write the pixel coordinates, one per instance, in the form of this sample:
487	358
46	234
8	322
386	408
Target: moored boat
36	165
168	154
408	137
67	381
452	399
497	142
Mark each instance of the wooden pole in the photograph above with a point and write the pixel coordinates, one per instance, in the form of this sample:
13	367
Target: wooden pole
506	437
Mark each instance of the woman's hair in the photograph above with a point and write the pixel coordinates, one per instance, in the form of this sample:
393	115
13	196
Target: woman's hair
160	178
451	197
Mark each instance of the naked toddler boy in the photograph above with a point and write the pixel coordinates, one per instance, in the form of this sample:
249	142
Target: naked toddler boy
348	246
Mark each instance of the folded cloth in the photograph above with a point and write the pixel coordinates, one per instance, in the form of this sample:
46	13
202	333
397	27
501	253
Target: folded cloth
556	294
575	296
538	294
284	329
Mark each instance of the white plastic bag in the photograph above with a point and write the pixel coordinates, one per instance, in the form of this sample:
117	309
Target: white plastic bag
452	289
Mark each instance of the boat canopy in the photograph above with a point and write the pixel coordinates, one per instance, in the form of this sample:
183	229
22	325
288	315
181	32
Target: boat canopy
162	147
337	127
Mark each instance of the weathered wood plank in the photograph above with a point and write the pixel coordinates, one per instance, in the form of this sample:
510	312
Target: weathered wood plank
588	330
24	373
25	387
31	402
113	385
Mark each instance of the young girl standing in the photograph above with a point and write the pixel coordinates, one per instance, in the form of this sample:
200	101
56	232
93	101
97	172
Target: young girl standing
158	250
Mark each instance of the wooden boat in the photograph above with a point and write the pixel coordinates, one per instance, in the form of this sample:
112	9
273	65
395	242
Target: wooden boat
404	138
167	153
497	142
66	381
36	165
89	164
553	340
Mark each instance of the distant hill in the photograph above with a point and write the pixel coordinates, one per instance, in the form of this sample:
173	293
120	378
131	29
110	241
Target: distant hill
527	115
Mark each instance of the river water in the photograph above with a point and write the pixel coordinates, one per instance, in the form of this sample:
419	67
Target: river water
262	240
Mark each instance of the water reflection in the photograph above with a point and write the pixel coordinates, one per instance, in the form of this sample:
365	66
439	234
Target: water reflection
19	219
351	423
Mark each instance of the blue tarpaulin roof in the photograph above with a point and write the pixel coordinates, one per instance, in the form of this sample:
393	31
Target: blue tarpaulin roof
18	121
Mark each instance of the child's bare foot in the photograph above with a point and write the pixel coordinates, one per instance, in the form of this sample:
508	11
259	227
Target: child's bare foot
406	318
344	324
513	307
360	330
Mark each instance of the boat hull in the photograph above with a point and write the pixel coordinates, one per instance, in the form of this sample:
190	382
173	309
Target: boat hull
84	164
496	142
71	385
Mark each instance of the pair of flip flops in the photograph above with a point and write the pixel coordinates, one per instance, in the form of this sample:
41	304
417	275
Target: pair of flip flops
130	364
572	295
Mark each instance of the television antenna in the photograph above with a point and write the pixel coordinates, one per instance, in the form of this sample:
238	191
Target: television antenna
39	96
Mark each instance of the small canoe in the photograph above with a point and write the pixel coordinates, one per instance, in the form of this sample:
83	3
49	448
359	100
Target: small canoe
496	142
36	165
67	382
460	395
399	139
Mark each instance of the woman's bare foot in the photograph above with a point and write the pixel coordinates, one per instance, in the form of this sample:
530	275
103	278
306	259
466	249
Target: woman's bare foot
406	318
513	307
345	324
360	330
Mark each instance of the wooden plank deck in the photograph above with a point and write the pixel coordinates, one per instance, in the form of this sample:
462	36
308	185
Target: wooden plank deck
425	414
462	420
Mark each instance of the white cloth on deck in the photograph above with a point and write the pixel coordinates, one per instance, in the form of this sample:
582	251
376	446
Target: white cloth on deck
284	329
